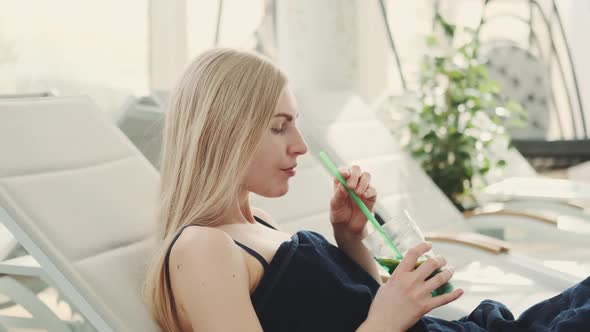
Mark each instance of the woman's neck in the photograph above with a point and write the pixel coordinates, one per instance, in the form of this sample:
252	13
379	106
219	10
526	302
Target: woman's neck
240	212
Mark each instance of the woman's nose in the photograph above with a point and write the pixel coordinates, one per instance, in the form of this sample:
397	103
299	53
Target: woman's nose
298	146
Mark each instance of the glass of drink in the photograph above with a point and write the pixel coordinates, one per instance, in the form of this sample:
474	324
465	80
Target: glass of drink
405	234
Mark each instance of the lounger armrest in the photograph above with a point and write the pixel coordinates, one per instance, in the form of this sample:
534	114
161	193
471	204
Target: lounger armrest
499	210
580	205
22	266
474	240
576	204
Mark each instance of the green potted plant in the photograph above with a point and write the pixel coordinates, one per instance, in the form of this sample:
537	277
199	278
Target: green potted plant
457	116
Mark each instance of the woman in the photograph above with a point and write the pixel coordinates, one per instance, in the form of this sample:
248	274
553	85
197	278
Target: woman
231	130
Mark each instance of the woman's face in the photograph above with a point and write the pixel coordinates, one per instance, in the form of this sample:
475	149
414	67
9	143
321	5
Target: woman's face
274	162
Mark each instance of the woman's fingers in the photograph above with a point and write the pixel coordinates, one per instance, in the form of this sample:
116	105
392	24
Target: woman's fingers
428	267
441	300
344	171
357	181
355	174
370	193
363	183
409	261
339	190
439	279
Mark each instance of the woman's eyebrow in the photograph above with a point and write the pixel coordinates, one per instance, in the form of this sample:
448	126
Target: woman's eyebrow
289	117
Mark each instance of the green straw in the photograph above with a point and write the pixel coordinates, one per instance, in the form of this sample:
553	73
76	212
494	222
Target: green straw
330	165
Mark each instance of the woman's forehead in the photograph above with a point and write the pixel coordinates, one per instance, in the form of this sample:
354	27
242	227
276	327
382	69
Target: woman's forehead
287	106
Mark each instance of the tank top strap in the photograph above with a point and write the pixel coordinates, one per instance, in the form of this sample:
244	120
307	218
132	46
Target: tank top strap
254	253
264	223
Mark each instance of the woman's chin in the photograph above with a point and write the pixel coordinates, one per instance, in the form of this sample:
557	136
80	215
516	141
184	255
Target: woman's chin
276	192
282	192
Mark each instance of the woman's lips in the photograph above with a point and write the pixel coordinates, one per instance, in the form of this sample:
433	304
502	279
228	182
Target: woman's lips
289	171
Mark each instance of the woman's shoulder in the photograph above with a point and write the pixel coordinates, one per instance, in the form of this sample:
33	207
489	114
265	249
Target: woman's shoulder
204	253
208	274
199	242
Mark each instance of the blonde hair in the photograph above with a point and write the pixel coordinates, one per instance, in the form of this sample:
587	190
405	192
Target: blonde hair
217	115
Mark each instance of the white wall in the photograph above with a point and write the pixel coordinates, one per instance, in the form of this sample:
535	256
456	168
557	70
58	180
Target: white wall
98	48
94	42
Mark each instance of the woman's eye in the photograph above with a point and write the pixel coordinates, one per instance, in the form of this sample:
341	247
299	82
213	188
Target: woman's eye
278	130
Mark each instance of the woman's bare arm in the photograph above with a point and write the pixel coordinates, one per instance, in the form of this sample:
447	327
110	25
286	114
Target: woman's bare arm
355	249
210	280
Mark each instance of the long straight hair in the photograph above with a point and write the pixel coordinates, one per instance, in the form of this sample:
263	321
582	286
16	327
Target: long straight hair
217	115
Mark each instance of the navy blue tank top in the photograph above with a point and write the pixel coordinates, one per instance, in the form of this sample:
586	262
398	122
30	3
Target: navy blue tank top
311	285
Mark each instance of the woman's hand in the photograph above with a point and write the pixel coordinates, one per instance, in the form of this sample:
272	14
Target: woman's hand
347	218
406	296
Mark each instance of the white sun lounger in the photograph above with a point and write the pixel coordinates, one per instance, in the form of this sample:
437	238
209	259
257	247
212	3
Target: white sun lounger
81	199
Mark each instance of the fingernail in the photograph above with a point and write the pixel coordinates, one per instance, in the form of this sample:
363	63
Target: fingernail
451	268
